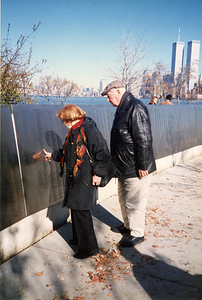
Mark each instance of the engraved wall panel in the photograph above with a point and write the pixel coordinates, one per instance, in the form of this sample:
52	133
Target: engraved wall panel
188	127
181	127
37	128
103	116
161	137
174	129
12	208
198	114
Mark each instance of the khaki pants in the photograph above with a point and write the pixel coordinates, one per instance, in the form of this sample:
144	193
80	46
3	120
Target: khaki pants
133	195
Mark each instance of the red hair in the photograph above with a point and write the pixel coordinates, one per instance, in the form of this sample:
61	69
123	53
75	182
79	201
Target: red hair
71	112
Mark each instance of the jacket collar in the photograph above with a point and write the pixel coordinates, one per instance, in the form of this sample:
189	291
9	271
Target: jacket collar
124	101
77	124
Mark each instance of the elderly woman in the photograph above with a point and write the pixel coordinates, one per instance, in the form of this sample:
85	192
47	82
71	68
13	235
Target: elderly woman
83	143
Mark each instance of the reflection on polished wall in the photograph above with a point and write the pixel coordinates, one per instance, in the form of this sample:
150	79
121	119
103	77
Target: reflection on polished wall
29	184
175	128
12	207
38	128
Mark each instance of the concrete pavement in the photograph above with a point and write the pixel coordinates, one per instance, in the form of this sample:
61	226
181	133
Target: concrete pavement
166	266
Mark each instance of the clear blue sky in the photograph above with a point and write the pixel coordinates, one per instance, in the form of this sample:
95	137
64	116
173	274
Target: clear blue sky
76	36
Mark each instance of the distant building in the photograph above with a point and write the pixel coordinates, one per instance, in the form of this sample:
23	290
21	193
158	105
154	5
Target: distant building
193	62
103	84
146	85
200	86
177	59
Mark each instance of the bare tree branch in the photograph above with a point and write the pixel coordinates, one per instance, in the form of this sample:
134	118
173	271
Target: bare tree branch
16	71
50	87
130	52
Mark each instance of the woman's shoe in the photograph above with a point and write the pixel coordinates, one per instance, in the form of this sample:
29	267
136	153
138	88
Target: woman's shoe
86	255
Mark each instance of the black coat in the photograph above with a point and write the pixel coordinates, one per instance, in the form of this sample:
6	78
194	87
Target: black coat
131	138
80	194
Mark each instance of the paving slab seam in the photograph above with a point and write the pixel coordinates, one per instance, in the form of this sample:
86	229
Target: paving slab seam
51	250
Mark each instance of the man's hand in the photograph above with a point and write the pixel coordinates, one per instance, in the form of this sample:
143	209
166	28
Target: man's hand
143	173
96	180
48	155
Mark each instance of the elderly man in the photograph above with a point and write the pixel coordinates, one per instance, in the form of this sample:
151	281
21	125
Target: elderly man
131	150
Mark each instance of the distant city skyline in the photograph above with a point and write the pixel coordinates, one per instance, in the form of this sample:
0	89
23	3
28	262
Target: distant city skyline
192	62
177	62
77	37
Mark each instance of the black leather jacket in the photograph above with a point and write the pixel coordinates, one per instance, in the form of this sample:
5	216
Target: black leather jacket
80	194
131	138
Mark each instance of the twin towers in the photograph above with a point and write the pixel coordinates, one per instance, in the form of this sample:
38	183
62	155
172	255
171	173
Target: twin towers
192	60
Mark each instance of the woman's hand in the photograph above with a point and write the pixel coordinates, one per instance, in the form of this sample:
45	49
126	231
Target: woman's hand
48	155
96	180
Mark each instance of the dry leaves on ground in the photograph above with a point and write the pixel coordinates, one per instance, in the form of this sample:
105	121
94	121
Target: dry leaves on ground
109	265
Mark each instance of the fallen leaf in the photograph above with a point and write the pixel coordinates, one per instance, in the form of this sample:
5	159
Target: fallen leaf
109	286
155	246
39	273
65	296
95	278
144	257
21	287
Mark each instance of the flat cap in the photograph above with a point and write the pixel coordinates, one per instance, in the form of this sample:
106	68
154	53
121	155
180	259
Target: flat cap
113	85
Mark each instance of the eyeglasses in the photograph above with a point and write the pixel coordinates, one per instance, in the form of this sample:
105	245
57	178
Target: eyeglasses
65	121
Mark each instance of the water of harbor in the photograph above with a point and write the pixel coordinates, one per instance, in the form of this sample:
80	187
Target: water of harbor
101	101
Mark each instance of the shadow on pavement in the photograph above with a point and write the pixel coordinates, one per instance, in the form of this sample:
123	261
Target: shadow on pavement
161	280
105	216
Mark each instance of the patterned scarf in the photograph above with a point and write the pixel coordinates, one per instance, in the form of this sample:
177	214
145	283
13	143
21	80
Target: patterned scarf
80	148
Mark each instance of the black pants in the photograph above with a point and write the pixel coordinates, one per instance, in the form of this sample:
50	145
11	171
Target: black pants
83	231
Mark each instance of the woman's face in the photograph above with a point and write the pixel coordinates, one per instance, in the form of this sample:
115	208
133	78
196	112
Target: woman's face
69	124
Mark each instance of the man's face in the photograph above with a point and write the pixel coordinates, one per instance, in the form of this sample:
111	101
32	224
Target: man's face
114	97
